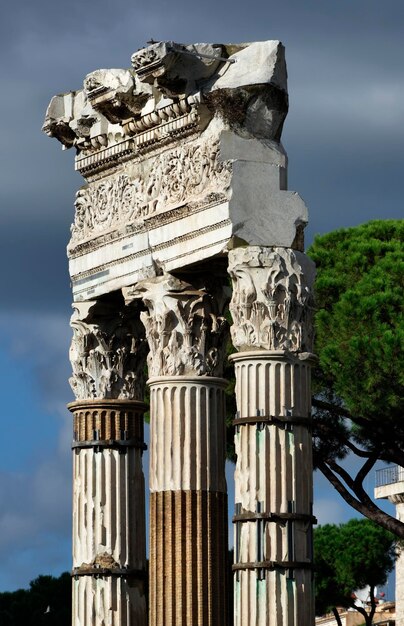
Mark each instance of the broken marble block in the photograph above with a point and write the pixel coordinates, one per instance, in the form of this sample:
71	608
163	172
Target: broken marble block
182	158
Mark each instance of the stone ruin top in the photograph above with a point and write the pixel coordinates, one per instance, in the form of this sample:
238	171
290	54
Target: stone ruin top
182	160
185	183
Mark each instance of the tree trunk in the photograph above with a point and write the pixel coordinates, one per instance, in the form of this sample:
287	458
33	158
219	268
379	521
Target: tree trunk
337	617
372	605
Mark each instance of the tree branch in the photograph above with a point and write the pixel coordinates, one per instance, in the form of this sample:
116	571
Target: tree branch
325	431
361	453
360	610
390	452
337	617
343	473
368	509
365	469
331	408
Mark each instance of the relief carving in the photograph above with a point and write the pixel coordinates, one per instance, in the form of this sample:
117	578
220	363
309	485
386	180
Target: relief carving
175	68
272	302
176	176
243	84
185	327
147	56
116	94
107	353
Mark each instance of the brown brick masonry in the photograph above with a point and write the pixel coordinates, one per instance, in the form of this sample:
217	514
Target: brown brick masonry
107	419
189	583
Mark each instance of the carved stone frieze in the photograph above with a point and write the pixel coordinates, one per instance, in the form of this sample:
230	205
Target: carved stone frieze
186	173
139	135
182	158
107	352
154	221
272	302
185	326
172	91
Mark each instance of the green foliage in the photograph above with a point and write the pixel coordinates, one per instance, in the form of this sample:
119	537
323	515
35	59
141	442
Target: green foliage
350	557
326	546
359	325
28	607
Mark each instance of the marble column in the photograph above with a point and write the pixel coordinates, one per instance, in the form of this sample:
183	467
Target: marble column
188	497
398	500
391	488
272	330
109	558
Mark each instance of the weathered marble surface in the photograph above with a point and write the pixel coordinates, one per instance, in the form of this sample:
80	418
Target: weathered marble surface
107	353
394	492
182	159
185	325
273	491
272	304
183	165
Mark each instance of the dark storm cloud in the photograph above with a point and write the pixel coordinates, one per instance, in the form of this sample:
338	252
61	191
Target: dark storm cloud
344	135
37	278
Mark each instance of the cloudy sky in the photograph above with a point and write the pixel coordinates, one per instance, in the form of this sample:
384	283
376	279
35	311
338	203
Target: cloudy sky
344	135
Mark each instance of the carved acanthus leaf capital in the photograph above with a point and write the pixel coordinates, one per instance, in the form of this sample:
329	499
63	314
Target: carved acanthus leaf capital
185	326
107	353
272	303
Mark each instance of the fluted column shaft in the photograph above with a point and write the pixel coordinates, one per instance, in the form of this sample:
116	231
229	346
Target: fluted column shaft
273	478
108	532
109	546
188	502
400	569
273	491
188	497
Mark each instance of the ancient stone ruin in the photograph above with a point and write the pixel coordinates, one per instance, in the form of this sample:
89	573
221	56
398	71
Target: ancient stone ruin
186	183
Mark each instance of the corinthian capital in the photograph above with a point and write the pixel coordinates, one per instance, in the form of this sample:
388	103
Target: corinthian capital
107	352
185	326
272	302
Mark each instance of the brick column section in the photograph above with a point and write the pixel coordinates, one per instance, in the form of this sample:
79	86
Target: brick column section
271	308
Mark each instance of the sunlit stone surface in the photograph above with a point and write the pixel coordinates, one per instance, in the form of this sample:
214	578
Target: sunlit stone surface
393	491
186	178
182	161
